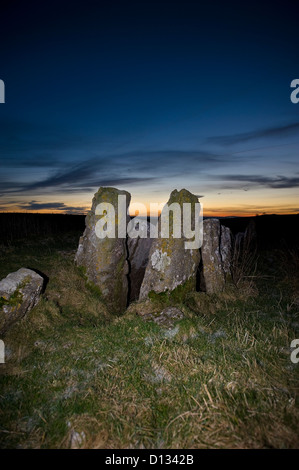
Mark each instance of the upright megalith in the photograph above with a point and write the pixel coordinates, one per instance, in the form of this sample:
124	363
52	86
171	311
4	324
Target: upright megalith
102	250
226	250
172	261
138	250
216	252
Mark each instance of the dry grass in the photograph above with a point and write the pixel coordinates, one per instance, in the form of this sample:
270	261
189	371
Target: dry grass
244	257
222	377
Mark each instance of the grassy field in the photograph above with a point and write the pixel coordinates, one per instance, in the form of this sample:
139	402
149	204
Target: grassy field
76	376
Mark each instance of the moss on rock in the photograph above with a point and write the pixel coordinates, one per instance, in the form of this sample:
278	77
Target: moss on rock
172	266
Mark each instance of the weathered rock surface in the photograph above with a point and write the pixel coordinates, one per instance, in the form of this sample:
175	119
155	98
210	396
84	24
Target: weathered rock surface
239	239
19	293
244	252
169	316
216	252
170	264
105	259
138	249
250	236
211	258
154	311
226	250
246	241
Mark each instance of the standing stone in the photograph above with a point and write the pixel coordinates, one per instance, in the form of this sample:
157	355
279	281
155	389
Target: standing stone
226	250
170	263
239	241
250	237
244	243
211	258
244	253
216	252
138	249
19	293
105	259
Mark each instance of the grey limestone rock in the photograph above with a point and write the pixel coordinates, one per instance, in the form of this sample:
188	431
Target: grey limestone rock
170	263
104	260
138	250
19	293
216	254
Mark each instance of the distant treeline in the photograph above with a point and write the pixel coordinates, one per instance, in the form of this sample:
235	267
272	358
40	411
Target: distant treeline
15	226
272	230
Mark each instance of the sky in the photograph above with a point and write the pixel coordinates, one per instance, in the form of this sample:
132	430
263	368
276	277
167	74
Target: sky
149	96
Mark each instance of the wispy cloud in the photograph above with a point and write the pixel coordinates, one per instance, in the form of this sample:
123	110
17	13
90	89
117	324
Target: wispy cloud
277	182
268	133
55	206
252	209
129	168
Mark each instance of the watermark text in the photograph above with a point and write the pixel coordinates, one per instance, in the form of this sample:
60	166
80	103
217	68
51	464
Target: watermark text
2	91
295	93
175	221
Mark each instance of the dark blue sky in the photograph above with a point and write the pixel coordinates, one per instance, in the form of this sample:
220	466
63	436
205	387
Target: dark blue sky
148	97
